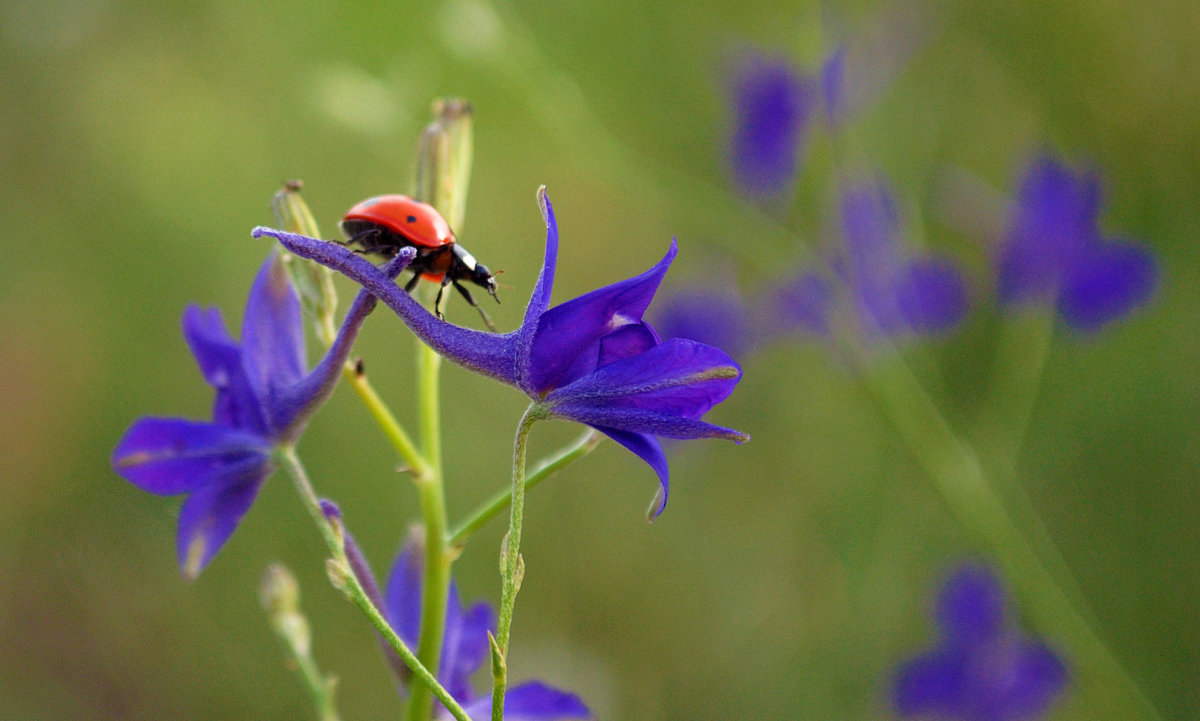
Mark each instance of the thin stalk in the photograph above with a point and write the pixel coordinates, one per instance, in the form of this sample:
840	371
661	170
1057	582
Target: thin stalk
432	494
320	688
511	560
1022	347
349	584
544	469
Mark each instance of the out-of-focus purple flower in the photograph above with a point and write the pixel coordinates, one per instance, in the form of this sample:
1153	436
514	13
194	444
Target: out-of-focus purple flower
593	359
773	107
465	649
715	316
263	399
1054	251
803	303
833	85
982	669
894	293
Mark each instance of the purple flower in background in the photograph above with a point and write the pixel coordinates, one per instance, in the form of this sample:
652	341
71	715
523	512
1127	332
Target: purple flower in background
803	303
714	316
981	669
773	107
263	399
592	359
893	293
833	86
465	649
1054	251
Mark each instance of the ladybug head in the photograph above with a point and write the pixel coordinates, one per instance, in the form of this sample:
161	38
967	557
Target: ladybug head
484	278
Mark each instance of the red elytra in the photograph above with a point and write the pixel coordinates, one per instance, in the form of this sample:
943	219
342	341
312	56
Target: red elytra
417	222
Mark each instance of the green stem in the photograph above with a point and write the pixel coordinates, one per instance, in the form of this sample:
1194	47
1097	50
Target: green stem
280	595
956	472
320	688
544	469
431	491
350	585
511	559
1022	346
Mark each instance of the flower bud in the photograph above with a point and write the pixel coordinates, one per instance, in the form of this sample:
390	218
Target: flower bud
280	596
313	282
444	154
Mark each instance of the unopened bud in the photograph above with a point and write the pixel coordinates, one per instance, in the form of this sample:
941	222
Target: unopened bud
499	665
444	155
280	597
314	282
339	575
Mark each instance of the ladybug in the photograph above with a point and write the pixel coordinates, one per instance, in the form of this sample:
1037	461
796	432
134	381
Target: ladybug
386	223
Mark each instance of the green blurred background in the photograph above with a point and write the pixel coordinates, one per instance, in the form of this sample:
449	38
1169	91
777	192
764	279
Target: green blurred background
140	142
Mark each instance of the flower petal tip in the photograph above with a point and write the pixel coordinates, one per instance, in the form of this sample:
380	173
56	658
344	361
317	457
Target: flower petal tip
544	206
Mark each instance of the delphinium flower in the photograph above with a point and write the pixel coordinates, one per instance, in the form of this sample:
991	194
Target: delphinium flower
465	649
593	359
833	86
1054	251
773	107
893	292
800	304
982	667
713	314
263	399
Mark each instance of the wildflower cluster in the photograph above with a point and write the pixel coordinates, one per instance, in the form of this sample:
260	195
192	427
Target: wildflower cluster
596	360
593	360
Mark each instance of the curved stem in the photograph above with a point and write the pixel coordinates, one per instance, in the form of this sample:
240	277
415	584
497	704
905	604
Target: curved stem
349	584
431	491
511	560
544	469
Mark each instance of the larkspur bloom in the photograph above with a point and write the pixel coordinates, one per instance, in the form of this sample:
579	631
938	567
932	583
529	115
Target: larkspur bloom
803	303
592	359
716	316
893	292
833	86
982	668
1054	251
465	649
773	108
263	399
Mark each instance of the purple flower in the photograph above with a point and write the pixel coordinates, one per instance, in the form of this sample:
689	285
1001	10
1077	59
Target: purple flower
802	304
773	107
465	649
714	316
893	293
592	359
1054	251
982	669
833	86
263	399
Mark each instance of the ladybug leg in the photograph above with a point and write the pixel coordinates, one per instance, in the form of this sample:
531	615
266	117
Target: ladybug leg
437	303
471	299
412	283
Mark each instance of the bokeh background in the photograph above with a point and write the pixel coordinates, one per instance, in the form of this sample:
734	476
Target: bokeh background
140	142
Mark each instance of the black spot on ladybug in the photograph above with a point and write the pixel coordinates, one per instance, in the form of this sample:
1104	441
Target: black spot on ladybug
412	218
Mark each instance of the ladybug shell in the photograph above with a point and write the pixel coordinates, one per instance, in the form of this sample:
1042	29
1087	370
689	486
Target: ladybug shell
413	220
